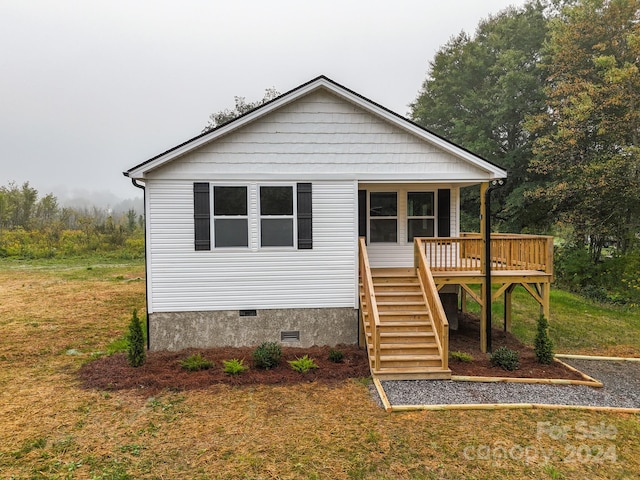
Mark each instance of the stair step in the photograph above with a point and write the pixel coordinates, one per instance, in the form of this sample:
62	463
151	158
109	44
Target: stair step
407	338
401	313
409	373
408	360
395	271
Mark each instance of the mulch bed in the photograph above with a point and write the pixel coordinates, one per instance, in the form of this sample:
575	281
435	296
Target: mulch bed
467	339
162	370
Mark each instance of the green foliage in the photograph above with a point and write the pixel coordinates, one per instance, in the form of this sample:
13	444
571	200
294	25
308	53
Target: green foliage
32	228
478	94
505	358
267	355
240	108
543	347
587	135
136	354
461	357
335	356
196	362
613	278
303	364
234	366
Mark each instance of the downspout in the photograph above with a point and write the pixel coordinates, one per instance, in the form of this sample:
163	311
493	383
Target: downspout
487	257
146	277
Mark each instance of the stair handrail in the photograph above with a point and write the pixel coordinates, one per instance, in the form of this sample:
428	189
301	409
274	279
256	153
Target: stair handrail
430	292
370	297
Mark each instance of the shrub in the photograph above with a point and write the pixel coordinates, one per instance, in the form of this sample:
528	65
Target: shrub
234	366
505	358
303	365
196	362
335	356
543	347
135	350
461	356
267	355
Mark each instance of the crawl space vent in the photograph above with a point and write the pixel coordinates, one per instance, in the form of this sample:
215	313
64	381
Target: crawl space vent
248	313
290	336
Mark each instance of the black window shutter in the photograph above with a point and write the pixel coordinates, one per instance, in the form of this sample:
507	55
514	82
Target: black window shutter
305	224
362	214
444	212
202	216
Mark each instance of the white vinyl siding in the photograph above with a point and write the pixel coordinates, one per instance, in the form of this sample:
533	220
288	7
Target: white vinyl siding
183	279
323	136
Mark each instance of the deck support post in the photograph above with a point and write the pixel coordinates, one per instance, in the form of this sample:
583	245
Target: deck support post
546	299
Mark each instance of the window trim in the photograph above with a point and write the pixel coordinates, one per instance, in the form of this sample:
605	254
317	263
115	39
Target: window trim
395	217
293	216
422	217
230	217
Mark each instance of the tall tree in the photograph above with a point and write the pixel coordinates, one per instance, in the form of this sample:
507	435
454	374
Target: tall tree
588	133
478	93
241	107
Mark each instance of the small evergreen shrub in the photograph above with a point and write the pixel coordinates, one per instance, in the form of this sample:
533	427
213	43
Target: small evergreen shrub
303	365
335	356
543	347
461	356
505	358
196	362
136	354
234	366
267	355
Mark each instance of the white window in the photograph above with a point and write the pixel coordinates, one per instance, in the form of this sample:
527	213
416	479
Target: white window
383	217
230	216
276	216
420	215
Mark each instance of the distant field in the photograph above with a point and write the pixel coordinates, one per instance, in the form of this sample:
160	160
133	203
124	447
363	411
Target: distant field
54	316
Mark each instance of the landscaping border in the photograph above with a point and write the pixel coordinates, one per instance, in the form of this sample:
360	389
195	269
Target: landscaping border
589	381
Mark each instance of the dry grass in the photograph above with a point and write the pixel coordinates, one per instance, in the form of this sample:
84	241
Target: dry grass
51	428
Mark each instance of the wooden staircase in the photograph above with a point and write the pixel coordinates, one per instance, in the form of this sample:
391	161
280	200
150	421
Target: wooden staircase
409	349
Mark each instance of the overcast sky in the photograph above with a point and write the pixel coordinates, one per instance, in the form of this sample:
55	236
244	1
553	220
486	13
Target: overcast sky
92	88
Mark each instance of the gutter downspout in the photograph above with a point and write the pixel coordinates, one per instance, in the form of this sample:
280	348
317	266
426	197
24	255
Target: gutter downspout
146	277
487	257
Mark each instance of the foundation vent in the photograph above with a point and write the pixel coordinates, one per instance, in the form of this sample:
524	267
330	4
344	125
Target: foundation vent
248	313
290	336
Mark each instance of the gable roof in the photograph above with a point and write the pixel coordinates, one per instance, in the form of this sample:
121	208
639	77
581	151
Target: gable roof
321	82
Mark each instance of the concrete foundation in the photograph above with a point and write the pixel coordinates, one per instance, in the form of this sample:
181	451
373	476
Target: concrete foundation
315	326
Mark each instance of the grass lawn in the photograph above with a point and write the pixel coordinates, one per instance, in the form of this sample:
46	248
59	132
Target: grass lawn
576	326
55	316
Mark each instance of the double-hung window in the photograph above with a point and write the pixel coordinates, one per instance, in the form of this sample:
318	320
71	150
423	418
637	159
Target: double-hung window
276	216
420	215
230	216
383	217
283	217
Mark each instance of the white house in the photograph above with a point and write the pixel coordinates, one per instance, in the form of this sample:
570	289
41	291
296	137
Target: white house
252	228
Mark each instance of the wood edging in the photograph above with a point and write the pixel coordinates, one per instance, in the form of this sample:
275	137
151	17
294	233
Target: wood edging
596	357
512	406
382	394
539	381
587	380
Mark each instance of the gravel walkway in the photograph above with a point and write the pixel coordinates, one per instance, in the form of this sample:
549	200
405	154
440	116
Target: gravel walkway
621	389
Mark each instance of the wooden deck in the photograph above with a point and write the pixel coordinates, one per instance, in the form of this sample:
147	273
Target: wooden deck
516	260
404	326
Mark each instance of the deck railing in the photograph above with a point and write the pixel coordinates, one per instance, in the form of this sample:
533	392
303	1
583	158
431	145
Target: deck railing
371	303
430	292
508	252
